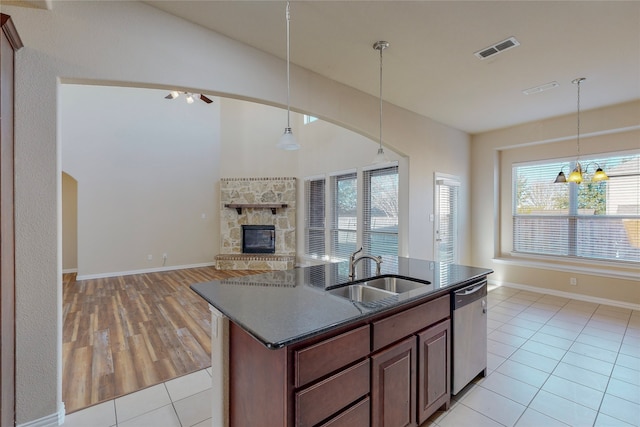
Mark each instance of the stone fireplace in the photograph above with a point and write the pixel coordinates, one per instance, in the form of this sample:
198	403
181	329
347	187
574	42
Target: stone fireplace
269	203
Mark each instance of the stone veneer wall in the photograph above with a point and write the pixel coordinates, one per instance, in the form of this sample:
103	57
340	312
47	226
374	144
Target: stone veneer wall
257	191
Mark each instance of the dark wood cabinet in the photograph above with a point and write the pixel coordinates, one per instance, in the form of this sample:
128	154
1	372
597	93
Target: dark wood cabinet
326	398
390	371
355	416
410	379
393	385
434	369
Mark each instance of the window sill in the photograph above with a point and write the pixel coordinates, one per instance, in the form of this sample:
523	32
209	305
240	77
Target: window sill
595	268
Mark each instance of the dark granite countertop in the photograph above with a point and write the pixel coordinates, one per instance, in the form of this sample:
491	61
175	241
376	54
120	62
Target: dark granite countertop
283	307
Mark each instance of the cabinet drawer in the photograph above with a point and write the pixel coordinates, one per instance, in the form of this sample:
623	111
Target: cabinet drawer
356	416
330	355
321	400
401	325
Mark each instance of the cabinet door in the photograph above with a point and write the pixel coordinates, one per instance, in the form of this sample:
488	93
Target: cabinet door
433	369
393	385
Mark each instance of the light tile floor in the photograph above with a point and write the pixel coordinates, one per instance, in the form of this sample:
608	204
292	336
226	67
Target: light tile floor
180	402
552	361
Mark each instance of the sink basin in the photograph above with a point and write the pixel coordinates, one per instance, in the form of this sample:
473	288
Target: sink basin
361	293
394	284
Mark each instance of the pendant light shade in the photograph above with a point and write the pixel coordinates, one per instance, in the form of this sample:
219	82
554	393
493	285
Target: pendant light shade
287	140
576	174
599	175
380	156
560	178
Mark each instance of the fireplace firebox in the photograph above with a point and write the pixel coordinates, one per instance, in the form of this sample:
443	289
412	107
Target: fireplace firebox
258	239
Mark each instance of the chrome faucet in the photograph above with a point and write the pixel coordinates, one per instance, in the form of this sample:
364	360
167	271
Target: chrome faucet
353	261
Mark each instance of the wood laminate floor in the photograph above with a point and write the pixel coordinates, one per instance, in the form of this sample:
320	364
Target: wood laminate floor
123	334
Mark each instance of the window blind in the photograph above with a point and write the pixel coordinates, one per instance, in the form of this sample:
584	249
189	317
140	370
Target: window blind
314	191
380	213
447	220
344	220
591	220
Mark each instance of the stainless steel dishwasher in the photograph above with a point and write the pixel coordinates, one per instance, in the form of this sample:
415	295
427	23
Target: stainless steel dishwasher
469	334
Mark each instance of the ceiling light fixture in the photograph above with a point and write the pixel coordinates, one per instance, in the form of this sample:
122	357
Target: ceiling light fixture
380	156
189	96
287	140
576	175
541	88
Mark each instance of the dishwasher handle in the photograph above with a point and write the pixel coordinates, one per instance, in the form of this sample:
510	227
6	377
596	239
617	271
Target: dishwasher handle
471	290
471	293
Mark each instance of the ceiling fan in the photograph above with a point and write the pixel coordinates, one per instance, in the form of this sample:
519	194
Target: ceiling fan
189	96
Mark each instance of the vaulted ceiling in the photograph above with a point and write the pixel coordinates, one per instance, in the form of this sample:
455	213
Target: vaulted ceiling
430	67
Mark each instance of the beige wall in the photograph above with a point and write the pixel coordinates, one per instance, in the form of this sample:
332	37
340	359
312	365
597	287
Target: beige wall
132	44
611	129
147	169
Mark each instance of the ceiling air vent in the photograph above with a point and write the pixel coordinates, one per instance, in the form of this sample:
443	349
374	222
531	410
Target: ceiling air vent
497	48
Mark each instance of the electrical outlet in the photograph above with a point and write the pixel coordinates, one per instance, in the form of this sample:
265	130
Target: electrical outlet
149	257
573	281
164	256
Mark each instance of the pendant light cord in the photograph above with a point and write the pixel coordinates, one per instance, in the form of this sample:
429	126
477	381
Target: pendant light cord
288	16
578	133
578	82
381	49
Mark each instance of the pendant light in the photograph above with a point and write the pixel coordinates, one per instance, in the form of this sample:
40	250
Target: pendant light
576	175
287	140
380	156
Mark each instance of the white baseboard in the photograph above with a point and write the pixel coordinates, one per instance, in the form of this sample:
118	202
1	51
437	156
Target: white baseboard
53	420
69	270
579	297
143	271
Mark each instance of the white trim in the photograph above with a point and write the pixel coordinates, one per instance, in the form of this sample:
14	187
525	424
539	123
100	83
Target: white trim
314	178
344	172
70	270
571	137
143	271
587	268
52	420
583	158
570	295
389	164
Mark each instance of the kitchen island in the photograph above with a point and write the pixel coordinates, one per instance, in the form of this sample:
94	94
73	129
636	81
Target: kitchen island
291	351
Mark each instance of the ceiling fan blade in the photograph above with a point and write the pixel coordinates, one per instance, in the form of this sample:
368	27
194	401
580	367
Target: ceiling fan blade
205	99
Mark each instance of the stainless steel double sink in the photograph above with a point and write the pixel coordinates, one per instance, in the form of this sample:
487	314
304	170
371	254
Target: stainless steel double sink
378	288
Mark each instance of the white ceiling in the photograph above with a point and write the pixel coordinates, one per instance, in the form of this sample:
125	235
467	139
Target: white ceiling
430	67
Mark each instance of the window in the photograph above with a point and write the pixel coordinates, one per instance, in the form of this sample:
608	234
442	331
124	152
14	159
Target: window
309	119
598	221
344	221
446	221
339	220
314	189
380	213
